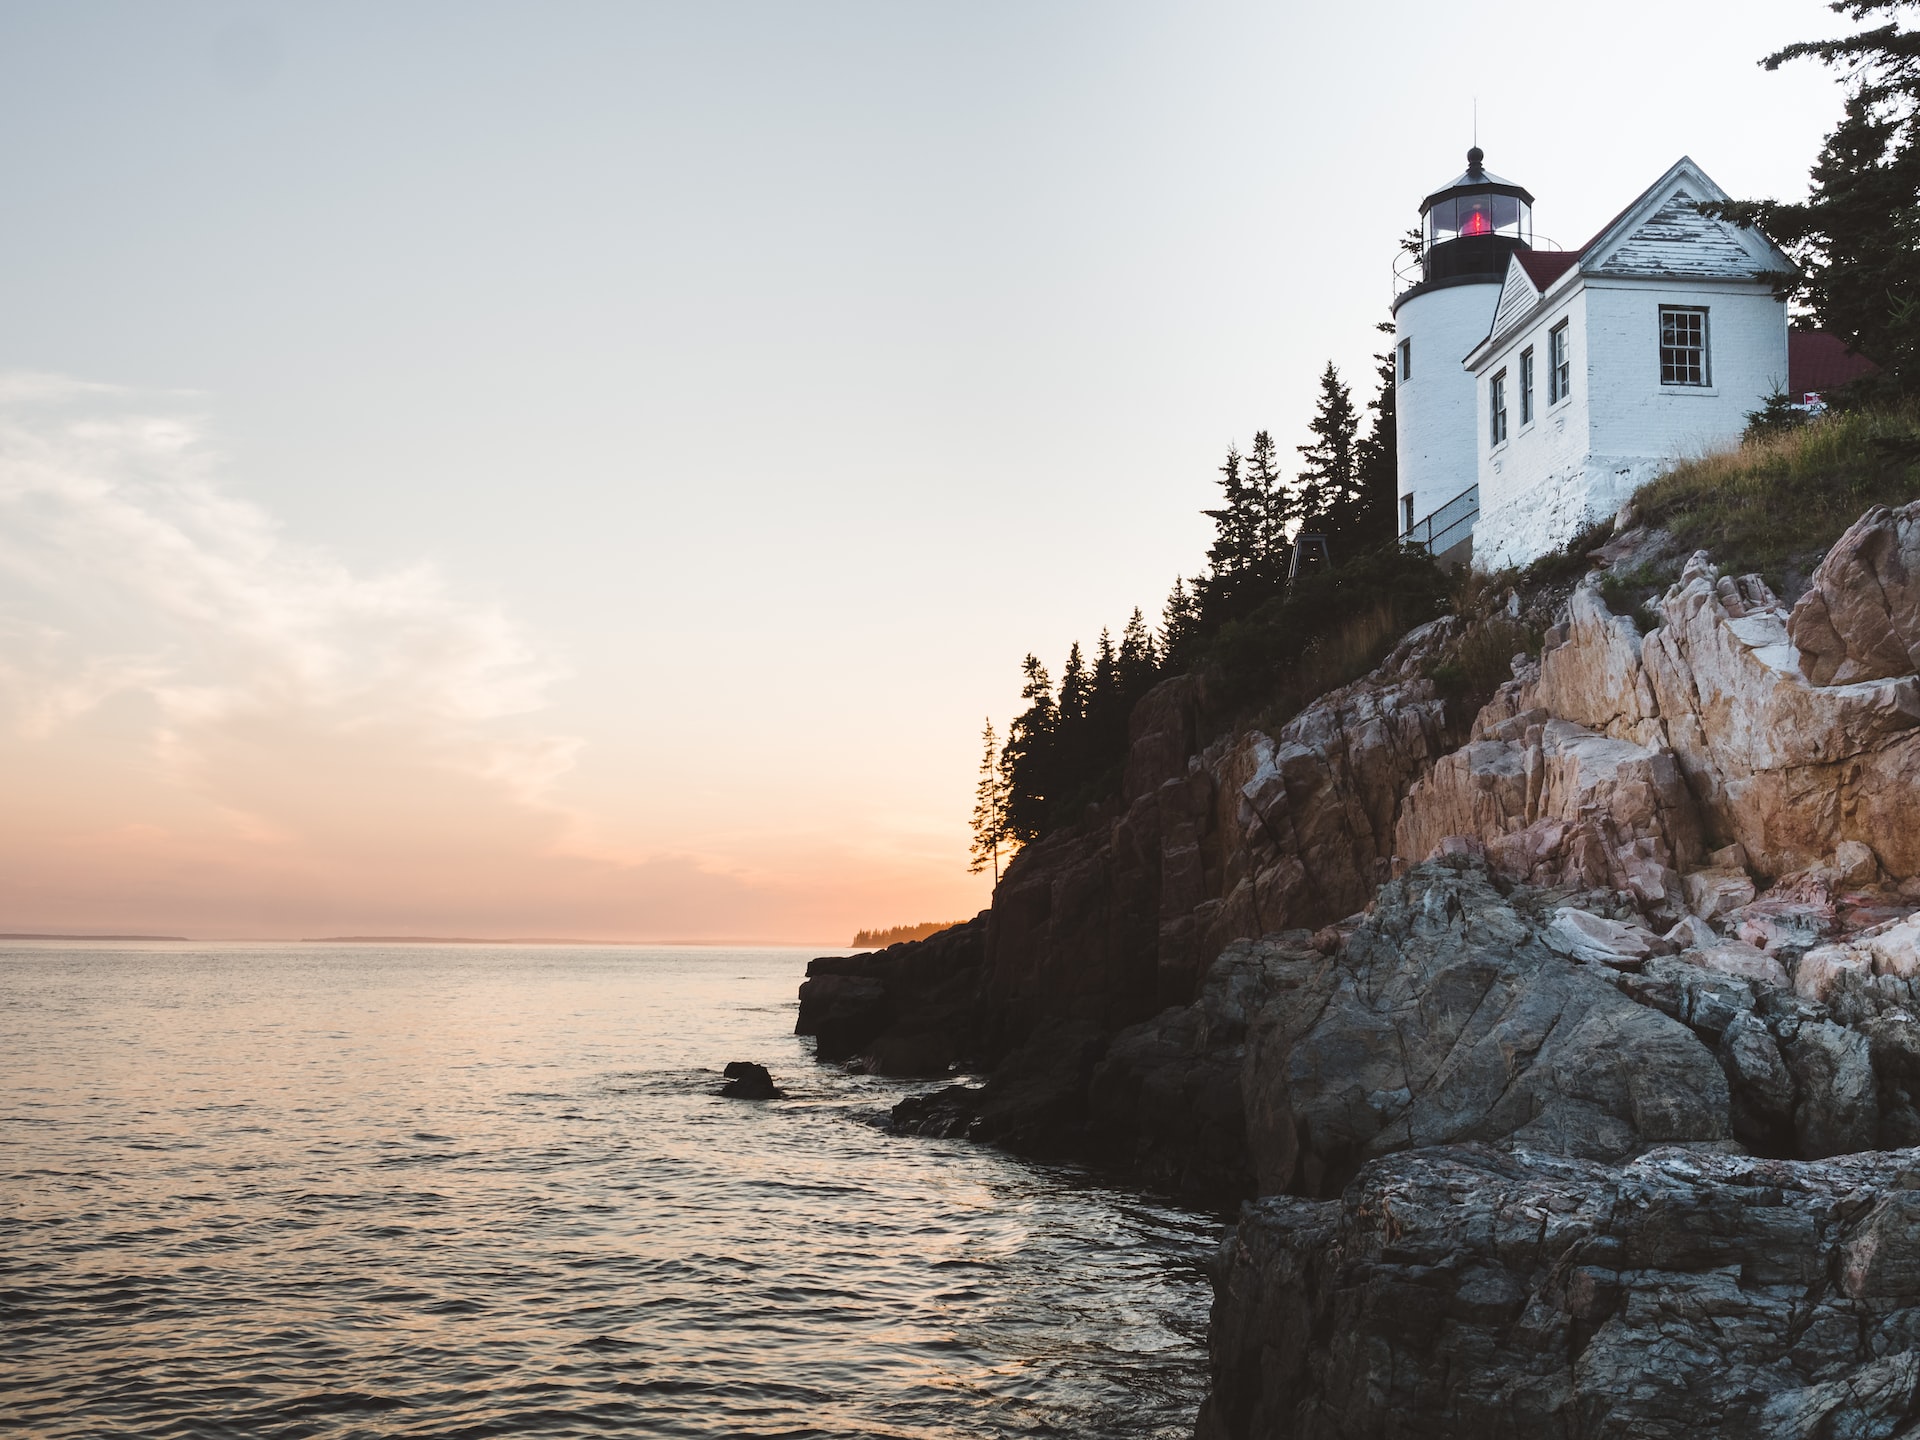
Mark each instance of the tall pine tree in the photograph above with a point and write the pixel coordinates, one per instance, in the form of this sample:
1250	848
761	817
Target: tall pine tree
1856	236
1329	485
1027	759
1377	460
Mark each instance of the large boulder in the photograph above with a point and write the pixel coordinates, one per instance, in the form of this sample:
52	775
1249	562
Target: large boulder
1860	619
1465	1292
1447	1017
1554	803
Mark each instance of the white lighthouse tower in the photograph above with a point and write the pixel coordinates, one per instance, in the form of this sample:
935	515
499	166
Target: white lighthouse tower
1469	229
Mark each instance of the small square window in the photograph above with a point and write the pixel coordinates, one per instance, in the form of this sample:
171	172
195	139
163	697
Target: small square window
1526	386
1683	345
1497	409
1406	359
1559	365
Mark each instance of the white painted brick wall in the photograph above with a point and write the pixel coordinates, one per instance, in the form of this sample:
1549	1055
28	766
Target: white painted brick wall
1580	460
1435	409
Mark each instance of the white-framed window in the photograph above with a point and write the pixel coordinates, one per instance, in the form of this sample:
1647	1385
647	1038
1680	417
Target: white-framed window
1497	409
1526	386
1683	345
1559	365
1406	359
1406	512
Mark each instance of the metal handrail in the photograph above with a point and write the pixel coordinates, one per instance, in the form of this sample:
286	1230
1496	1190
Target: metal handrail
1442	529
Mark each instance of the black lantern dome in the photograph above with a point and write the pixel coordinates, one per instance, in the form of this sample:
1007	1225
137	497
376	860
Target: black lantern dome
1472	224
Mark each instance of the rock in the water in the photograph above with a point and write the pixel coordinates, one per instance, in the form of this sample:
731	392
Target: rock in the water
1462	1292
748	1081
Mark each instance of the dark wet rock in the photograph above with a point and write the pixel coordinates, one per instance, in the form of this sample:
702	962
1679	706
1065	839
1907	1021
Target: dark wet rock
1466	1291
748	1081
1836	1108
1166	1100
911	1009
1035	1101
1445	1019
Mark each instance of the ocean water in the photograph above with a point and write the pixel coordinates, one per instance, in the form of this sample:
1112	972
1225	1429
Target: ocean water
461	1191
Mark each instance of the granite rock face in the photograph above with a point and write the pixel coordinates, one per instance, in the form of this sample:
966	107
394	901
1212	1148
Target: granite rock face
1119	917
1465	1291
910	1009
1861	618
1449	1017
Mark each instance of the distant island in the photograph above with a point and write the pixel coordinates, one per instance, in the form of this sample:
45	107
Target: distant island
880	939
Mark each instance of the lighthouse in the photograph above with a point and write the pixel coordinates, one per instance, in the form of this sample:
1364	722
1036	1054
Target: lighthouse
1469	230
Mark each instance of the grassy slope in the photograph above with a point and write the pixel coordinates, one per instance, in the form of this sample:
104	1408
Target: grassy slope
1775	506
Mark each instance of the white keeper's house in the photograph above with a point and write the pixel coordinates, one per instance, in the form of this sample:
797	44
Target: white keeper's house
1538	388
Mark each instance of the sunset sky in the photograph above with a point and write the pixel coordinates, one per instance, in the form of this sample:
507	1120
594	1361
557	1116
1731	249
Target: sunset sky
589	469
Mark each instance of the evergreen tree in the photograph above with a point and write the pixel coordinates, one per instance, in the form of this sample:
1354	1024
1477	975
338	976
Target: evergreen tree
1179	626
989	809
1857	235
1027	758
1139	664
1327	498
1106	706
1072	703
1377	460
1236	526
1271	504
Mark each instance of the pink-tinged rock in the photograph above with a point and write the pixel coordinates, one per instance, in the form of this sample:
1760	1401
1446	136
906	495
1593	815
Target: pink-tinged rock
1895	948
1714	893
1820	970
1599	941
1860	620
1772	923
1742	961
1693	933
1855	864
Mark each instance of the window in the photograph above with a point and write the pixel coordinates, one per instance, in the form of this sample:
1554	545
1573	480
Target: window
1683	346
1526	386
1406	359
1406	507
1559	365
1497	409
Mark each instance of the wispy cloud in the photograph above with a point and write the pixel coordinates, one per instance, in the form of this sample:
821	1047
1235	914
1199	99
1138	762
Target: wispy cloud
128	567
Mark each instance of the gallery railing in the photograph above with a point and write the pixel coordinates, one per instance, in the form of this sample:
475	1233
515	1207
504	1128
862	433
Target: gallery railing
1447	526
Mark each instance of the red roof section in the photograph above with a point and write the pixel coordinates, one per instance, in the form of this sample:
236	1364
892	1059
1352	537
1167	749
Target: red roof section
1818	360
1543	267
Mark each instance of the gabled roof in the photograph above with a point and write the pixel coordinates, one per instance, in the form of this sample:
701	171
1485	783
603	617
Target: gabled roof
1543	267
1663	233
1660	235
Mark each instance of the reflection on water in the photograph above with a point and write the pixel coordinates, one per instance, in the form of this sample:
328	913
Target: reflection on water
318	1191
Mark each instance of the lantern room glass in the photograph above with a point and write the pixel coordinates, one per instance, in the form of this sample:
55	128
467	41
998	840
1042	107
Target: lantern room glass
1486	213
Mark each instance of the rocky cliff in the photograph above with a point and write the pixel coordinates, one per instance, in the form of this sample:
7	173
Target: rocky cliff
1542	1036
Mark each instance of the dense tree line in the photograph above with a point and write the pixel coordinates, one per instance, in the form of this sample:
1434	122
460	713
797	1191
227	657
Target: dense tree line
1066	747
1856	236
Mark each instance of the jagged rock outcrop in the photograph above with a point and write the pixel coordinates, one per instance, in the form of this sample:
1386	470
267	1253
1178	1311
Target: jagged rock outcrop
910	1009
1165	1101
1450	1015
1465	1291
1860	620
1788	768
1119	917
1554	803
1111	921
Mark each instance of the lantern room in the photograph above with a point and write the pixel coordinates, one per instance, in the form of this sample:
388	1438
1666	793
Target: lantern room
1471	225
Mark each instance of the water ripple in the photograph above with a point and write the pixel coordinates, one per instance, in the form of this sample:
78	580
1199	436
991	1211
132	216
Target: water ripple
315	1192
